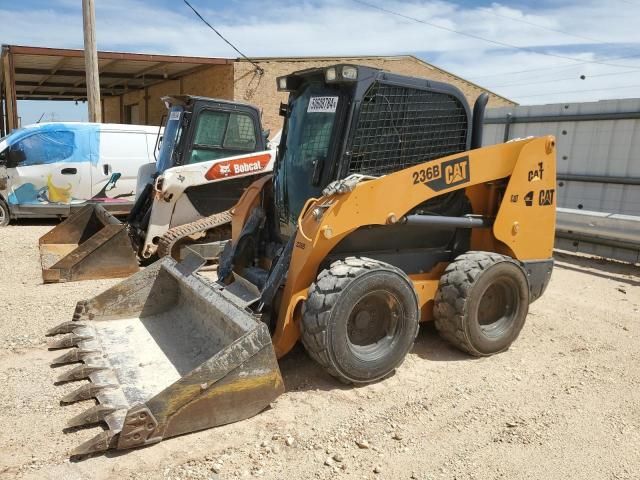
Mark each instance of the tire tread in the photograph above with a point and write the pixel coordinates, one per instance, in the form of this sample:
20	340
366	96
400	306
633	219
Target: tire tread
323	295
451	298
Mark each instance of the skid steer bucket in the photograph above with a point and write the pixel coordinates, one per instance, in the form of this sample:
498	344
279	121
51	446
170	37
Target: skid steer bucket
90	244
166	353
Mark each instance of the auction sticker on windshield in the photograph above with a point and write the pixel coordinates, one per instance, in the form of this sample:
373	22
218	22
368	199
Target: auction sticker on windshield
322	104
175	115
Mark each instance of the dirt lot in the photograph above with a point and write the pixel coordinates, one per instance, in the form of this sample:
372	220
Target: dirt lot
563	402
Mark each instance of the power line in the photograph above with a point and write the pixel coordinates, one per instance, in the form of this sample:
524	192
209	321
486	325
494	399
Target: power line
582	37
578	91
563	67
258	67
564	78
478	37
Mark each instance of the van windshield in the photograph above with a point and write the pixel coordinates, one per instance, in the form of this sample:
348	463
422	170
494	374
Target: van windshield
170	138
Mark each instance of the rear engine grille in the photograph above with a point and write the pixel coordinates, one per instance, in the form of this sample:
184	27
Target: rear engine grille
399	127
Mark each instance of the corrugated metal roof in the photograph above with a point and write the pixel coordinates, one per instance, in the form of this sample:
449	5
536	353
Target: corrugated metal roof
59	74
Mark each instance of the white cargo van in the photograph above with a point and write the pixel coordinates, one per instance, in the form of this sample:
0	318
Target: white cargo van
51	169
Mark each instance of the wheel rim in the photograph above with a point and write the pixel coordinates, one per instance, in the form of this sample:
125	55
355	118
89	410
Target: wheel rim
373	323
2	214
498	307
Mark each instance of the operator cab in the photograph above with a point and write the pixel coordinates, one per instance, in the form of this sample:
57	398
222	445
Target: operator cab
221	129
349	120
352	119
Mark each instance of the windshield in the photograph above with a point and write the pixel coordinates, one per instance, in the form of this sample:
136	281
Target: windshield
170	138
222	134
304	151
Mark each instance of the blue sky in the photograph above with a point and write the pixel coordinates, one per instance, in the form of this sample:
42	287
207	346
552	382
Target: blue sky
601	38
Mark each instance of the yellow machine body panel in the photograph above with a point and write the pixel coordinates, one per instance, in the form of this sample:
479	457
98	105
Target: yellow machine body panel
523	228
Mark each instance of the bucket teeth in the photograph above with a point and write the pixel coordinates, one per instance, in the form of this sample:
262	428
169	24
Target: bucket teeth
95	414
65	327
85	392
73	356
67	341
78	373
101	442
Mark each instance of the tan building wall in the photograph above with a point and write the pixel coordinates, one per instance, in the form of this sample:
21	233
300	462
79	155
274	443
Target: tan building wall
155	106
215	81
239	81
261	90
111	109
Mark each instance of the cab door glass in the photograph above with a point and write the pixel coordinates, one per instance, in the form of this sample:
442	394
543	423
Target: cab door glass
46	147
222	134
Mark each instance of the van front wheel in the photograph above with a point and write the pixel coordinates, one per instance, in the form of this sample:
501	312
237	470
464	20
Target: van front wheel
5	216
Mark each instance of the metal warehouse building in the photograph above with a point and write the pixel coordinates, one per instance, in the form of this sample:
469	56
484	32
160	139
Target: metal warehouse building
132	83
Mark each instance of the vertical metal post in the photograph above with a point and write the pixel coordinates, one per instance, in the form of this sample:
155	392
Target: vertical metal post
3	132
91	60
146	106
507	127
11	103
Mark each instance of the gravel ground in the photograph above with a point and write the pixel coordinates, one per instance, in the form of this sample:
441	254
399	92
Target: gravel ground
563	402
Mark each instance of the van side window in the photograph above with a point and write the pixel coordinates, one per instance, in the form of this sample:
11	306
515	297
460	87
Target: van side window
46	147
222	134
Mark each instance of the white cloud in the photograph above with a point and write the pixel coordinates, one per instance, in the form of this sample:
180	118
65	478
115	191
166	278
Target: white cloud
332	27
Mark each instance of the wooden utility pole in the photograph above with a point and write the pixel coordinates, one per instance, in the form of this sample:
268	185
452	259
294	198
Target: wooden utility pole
91	60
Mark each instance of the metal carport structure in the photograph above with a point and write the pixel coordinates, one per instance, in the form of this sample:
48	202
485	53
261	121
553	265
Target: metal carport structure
37	73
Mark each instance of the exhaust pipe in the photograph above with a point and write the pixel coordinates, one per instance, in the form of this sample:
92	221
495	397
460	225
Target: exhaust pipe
478	120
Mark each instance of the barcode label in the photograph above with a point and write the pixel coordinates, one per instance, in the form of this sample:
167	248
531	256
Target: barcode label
322	104
174	116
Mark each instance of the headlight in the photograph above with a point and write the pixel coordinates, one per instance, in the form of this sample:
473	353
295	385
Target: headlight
349	73
282	83
330	74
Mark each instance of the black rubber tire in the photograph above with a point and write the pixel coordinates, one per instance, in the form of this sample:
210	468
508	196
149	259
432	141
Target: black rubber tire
328	318
5	218
469	280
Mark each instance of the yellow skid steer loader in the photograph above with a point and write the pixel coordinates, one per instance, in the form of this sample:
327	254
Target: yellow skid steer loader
211	150
383	211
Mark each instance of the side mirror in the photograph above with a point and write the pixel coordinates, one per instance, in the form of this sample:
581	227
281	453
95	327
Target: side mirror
15	157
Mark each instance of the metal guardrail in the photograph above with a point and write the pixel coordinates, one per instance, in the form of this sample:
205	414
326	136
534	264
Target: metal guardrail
598	179
599	228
